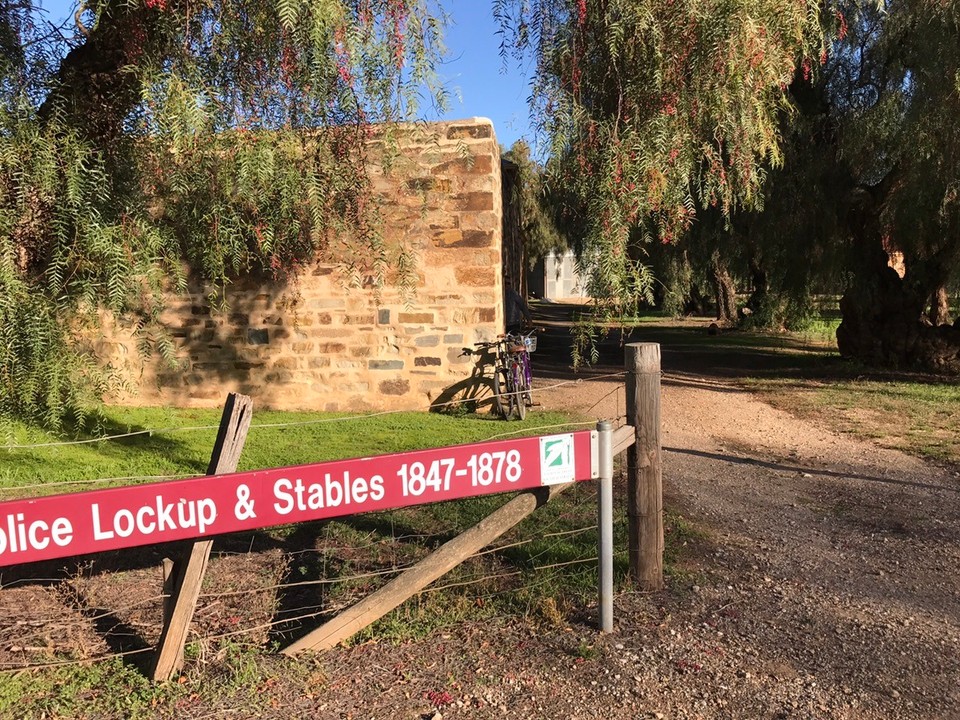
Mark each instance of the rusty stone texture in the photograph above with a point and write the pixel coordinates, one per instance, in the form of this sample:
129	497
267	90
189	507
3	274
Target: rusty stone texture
415	318
475	276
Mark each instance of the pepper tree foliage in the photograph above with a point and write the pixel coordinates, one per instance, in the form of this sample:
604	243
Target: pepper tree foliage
150	136
871	167
538	231
655	108
897	103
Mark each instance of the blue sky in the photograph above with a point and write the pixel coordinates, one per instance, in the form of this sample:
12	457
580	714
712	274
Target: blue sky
477	72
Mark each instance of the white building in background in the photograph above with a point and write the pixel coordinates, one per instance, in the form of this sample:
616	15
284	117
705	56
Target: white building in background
556	278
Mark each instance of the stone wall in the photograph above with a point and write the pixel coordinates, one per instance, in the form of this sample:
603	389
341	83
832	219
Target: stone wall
317	343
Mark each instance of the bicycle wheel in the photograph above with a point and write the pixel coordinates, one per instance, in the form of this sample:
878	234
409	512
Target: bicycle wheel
518	403
527	398
501	400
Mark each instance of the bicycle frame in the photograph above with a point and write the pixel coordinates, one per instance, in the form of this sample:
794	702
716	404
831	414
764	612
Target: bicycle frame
512	374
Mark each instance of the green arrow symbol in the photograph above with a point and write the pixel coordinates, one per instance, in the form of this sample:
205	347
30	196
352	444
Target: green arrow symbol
554	455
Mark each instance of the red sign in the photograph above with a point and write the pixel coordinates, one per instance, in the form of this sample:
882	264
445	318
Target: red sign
63	525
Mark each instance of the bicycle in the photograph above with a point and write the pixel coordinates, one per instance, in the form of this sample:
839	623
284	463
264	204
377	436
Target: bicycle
511	373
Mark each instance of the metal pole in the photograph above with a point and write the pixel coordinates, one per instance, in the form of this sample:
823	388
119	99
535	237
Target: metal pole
605	523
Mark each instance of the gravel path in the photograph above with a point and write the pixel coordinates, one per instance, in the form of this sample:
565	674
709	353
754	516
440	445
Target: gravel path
820	583
827	586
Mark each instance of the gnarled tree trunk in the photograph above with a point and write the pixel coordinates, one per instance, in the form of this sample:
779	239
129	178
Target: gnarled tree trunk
883	314
939	307
96	85
724	291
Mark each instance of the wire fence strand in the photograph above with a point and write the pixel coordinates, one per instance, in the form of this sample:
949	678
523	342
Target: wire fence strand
548	540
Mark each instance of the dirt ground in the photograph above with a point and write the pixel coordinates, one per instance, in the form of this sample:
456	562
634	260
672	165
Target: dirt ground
825	587
822	583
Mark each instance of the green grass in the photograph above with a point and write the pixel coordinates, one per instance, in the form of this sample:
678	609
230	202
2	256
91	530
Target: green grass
177	450
917	416
544	569
802	373
105	689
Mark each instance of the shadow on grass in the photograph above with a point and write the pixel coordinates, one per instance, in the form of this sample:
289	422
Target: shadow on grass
302	597
121	637
692	350
138	438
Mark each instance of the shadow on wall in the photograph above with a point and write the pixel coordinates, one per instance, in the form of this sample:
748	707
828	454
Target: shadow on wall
259	345
474	393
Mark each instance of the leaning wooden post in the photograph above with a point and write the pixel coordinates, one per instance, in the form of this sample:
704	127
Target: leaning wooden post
644	472
445	558
187	576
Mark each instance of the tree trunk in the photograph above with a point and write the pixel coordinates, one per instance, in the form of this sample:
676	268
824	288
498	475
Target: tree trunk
724	291
939	307
761	286
95	87
883	315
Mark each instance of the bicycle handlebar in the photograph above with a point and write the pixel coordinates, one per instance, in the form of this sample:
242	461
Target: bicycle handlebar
501	340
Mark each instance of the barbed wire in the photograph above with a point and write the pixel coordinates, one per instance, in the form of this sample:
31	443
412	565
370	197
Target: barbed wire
315	611
283	617
86	618
304	583
94	481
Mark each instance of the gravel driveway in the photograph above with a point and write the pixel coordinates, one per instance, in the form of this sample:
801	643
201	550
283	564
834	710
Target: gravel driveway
816	578
820	583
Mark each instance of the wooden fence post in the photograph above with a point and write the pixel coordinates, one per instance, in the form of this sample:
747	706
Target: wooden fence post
187	576
644	472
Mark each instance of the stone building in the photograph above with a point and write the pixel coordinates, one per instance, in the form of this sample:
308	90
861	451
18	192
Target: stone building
318	344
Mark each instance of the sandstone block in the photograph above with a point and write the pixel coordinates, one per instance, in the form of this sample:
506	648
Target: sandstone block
447	238
245	365
385	364
475	276
394	387
326	304
426	361
463	132
455	358
258	336
414	318
474	201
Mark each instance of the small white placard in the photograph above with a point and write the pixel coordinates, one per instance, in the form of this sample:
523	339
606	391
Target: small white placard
557	460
